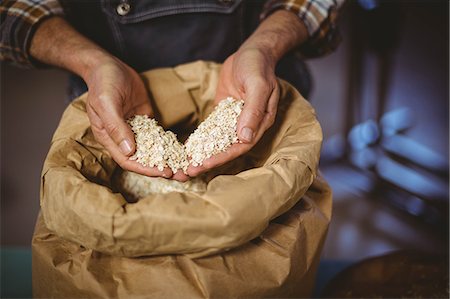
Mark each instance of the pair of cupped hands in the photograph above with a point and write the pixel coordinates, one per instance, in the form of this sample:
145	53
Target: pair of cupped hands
116	92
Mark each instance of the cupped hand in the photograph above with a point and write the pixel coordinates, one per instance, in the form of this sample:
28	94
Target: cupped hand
116	92
248	74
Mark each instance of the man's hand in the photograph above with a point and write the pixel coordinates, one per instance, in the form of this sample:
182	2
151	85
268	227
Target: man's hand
249	74
116	91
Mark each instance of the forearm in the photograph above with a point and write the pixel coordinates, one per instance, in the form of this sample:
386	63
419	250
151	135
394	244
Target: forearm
57	43
278	34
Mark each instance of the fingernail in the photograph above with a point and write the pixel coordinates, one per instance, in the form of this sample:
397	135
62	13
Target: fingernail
247	134
125	147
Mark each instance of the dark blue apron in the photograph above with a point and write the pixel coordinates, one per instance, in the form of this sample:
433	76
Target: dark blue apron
147	34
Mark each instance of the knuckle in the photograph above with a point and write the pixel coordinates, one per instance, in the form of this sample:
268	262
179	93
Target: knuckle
259	81
264	87
99	135
256	113
112	129
99	132
99	104
93	101
102	101
97	129
104	97
263	83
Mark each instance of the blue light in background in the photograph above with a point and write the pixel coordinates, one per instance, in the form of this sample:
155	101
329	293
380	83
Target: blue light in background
368	4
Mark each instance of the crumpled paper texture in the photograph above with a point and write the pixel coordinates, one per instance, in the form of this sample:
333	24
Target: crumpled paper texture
257	231
280	263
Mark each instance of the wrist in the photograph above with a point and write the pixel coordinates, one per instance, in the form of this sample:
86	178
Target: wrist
87	61
281	32
263	49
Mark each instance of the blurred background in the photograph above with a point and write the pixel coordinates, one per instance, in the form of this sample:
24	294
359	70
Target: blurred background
382	99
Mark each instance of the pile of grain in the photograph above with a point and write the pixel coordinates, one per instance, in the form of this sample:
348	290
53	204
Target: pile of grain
216	133
158	148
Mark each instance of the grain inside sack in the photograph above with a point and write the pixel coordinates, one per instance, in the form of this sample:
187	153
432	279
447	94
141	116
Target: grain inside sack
158	148
136	186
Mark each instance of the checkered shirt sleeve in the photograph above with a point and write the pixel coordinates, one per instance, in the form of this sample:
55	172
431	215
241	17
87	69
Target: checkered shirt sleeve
319	17
18	22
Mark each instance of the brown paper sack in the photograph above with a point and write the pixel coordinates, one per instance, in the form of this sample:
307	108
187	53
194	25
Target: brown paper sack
95	244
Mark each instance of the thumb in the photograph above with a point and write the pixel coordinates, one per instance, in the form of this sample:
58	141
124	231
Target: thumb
252	114
114	124
120	132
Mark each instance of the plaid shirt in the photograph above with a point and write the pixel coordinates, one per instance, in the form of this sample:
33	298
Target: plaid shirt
319	17
20	18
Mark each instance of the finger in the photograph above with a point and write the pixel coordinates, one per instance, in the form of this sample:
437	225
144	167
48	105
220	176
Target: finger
257	94
126	145
239	149
224	91
194	171
142	109
272	107
226	86
124	162
111	115
180	176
